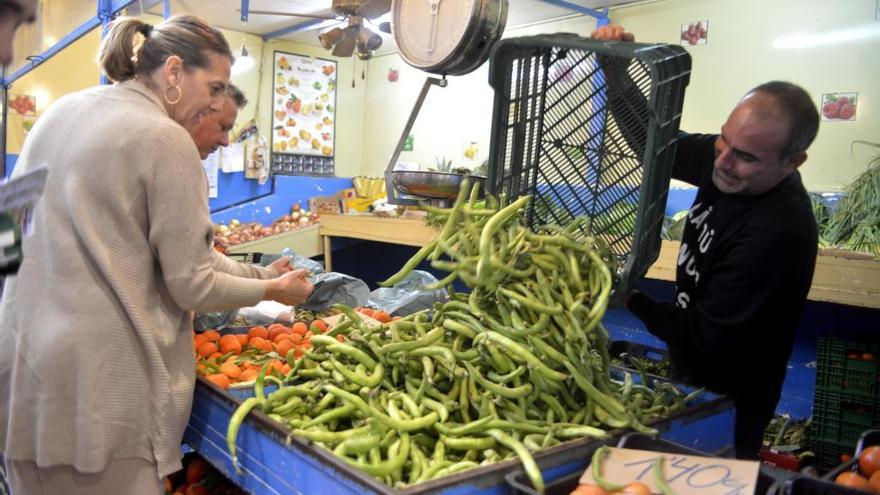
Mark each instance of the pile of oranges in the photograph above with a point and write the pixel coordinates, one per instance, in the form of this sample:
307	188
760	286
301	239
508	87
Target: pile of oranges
235	358
198	477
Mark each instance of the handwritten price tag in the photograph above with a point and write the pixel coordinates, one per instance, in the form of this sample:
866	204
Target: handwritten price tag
685	474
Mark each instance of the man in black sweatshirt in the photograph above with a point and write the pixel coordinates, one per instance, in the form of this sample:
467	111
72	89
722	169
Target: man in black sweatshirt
747	253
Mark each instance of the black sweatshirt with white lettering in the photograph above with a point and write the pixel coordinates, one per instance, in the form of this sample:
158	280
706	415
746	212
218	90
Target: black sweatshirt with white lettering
744	270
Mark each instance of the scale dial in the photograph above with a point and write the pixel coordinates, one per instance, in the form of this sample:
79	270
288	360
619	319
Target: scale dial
447	36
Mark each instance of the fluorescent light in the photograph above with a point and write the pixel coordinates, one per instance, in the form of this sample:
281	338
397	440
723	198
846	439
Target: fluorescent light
837	37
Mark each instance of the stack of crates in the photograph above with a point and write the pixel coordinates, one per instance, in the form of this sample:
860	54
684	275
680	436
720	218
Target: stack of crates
846	400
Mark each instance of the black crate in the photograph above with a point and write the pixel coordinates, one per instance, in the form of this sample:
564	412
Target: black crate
589	129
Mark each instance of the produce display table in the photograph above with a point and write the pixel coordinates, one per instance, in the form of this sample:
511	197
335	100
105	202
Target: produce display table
305	242
406	231
272	463
841	277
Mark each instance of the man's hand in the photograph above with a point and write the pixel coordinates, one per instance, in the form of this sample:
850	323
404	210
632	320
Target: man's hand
292	288
281	265
612	32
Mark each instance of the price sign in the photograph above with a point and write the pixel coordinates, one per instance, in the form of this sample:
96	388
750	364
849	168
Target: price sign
683	473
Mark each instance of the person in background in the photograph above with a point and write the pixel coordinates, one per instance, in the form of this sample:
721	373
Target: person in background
747	253
96	356
212	131
13	13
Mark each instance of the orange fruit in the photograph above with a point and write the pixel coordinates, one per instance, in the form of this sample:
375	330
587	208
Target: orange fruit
197	490
196	470
198	340
300	328
381	316
207	349
230	369
216	356
284	346
278	330
283	336
274	326
261	344
258	332
320	324
218	379
285	369
212	335
295	338
242	338
248	374
874	482
229	343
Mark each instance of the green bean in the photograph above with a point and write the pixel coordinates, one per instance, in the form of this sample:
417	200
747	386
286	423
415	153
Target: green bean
401	425
357	445
529	466
398	453
410	265
520	353
659	479
509	392
235	423
596	466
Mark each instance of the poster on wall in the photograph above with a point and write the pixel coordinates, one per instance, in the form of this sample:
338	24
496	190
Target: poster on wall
695	33
304	109
839	106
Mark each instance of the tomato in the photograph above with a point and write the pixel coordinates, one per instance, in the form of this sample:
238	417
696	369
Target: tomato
869	460
854	355
867	356
635	488
589	490
875	482
845	458
852	480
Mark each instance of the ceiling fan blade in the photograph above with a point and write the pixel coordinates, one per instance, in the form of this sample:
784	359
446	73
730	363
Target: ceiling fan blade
347	45
374	8
290	14
385	27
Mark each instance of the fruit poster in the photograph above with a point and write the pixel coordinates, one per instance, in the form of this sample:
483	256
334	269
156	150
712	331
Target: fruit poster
695	33
304	105
839	106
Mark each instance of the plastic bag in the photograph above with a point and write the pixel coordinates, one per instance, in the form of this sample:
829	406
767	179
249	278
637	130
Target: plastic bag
214	320
407	296
296	261
336	288
266	312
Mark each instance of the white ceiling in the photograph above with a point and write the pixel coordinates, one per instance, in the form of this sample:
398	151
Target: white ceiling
224	14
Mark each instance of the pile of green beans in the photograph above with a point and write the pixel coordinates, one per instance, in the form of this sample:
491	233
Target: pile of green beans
518	364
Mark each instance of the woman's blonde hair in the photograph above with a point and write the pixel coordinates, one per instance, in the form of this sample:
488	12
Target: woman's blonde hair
133	47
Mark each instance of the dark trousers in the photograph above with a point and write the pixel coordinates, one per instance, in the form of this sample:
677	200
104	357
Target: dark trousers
753	414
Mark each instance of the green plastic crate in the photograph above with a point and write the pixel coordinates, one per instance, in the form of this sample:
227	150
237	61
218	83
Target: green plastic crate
841	368
842	418
828	453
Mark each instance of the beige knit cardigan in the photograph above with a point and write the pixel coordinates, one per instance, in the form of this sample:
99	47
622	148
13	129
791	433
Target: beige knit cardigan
96	353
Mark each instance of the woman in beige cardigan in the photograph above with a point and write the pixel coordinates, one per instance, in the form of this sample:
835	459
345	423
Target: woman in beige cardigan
96	358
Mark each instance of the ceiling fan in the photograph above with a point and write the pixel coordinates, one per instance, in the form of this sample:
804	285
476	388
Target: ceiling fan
354	36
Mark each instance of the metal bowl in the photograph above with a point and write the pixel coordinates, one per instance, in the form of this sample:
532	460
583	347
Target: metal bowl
432	185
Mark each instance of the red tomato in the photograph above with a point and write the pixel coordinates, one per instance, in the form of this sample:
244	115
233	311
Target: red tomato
867	356
869	461
875	482
852	480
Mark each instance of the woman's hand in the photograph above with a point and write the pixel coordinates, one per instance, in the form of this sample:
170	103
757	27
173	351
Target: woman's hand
612	32
291	289
281	265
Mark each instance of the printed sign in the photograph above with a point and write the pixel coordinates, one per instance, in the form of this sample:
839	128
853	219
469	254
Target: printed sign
839	106
683	473
304	105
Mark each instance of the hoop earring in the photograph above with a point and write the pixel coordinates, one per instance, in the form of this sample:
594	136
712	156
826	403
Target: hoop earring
179	95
